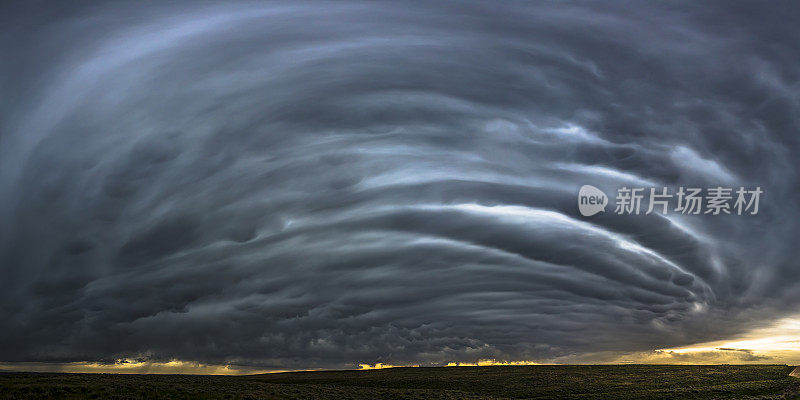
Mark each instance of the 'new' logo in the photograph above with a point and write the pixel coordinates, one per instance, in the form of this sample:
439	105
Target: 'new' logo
591	200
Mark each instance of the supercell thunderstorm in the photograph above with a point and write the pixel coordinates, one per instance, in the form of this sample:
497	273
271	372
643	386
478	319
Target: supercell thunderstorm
319	184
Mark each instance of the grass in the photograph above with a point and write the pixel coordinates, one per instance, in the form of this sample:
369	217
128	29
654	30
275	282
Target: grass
499	382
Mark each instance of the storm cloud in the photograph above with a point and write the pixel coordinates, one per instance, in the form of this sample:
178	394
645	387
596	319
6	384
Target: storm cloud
321	184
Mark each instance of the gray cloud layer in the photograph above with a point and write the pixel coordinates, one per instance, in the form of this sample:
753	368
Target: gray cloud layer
317	184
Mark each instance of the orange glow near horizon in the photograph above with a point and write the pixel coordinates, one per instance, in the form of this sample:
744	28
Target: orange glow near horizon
490	363
479	363
363	367
135	367
775	344
778	343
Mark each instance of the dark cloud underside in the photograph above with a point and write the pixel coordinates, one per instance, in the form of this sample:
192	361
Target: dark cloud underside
308	184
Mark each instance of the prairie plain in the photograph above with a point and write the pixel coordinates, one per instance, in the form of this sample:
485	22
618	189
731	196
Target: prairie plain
495	382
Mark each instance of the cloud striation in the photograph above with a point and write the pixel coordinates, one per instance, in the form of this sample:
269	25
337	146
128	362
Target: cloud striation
322	184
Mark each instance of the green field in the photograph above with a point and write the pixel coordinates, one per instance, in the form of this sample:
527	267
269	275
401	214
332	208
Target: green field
537	382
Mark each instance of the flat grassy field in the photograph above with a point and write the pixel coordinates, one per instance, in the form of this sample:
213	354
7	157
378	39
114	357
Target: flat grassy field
517	382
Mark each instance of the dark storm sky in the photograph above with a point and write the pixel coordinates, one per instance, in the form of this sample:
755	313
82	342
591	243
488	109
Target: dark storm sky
316	184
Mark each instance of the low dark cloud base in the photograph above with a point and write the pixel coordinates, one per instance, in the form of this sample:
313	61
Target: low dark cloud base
309	184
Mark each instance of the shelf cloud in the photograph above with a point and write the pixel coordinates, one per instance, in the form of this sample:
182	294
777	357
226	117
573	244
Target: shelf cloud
318	184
